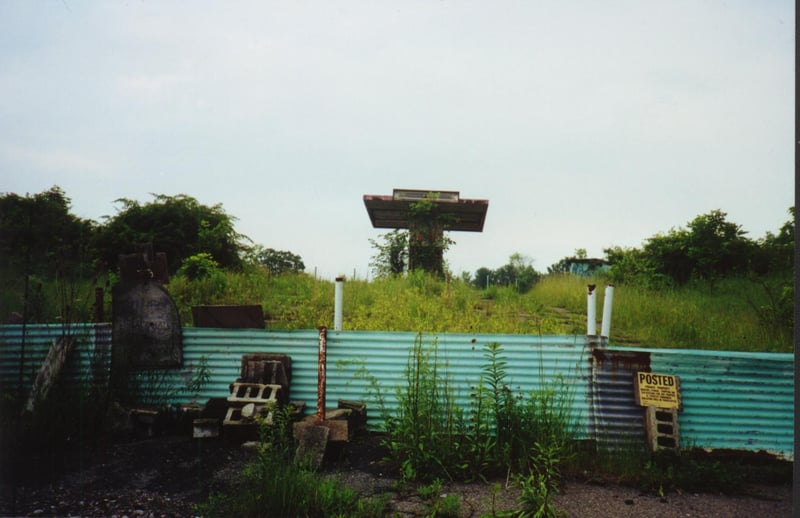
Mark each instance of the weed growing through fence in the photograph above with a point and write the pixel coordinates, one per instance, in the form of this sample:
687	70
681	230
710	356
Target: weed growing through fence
424	435
530	436
198	376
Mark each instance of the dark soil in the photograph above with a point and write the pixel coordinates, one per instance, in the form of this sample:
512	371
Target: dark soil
168	475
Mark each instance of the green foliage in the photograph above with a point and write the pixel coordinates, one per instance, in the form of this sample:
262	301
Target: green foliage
199	376
277	262
391	256
691	316
423	437
179	226
430	439
199	266
710	248
694	470
274	485
440	505
778	312
290	301
39	235
518	273
665	472
536	498
46	257
775	252
420	301
427	242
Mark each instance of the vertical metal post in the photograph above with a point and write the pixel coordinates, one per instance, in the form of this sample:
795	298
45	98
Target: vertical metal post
321	372
591	311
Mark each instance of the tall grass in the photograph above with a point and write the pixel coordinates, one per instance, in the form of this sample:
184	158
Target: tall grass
739	314
692	317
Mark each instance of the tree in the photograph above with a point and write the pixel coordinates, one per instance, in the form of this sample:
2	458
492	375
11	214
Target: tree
39	235
709	248
178	225
391	256
41	243
278	261
667	253
717	247
775	252
518	272
483	277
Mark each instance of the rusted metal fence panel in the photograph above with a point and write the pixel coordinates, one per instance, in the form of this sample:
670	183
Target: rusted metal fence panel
89	360
733	400
730	400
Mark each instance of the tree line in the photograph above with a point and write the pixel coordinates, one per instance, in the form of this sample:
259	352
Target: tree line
39	236
709	248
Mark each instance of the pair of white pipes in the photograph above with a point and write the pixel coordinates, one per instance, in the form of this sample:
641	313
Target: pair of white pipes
591	311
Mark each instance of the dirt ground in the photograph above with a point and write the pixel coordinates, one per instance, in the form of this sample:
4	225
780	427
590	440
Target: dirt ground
168	475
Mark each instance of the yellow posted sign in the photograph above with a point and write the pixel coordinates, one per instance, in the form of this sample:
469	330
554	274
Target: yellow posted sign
658	390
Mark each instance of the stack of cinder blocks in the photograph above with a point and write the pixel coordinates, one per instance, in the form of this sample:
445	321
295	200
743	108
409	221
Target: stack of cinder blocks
263	386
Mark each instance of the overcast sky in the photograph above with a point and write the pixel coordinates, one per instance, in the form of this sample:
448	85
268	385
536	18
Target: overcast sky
585	124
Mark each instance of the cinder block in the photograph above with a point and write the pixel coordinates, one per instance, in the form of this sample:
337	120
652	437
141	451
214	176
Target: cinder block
661	425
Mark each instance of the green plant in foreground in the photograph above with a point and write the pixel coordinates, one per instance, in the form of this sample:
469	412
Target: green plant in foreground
441	505
425	435
664	472
536	498
273	484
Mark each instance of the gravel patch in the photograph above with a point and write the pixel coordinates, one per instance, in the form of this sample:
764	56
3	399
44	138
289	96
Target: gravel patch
167	476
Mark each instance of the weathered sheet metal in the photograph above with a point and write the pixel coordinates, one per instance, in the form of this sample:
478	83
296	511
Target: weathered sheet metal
730	400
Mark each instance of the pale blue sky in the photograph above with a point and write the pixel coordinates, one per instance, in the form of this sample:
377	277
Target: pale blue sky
585	124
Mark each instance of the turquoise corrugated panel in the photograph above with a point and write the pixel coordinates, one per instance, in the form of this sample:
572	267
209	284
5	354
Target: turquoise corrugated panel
223	350
742	401
364	364
731	400
91	355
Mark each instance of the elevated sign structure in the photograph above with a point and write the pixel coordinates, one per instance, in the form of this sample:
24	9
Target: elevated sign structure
457	214
426	227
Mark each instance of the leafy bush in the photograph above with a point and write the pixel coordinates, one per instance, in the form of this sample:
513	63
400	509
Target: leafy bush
199	266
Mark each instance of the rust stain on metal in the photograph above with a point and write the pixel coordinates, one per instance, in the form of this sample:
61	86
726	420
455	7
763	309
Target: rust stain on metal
321	372
622	360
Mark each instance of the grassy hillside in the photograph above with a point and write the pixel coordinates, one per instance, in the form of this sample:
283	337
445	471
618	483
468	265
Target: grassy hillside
733	316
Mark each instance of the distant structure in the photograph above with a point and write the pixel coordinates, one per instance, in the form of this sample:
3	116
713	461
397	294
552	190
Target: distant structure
587	267
426	214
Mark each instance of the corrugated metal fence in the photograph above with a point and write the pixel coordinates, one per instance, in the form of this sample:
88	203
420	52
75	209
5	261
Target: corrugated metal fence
731	400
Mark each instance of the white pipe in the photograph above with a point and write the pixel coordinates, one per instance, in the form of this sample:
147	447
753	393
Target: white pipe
337	303
609	300
591	311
